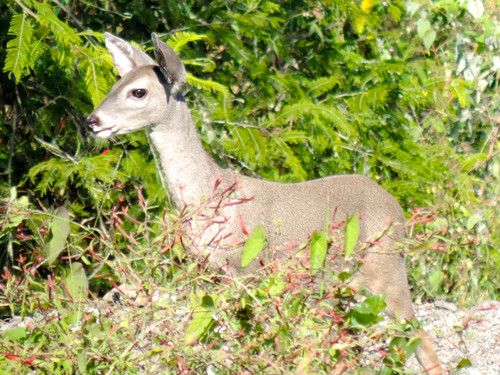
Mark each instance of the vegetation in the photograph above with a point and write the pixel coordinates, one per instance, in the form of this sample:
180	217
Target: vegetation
403	92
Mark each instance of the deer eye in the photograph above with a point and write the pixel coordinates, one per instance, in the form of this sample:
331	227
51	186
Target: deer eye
139	93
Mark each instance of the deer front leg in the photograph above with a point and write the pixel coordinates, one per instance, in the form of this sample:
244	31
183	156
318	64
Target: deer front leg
385	273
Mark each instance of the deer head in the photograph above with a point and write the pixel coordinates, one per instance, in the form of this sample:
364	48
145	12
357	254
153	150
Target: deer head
146	92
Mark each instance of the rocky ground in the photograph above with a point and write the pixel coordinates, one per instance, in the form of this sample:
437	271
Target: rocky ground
461	335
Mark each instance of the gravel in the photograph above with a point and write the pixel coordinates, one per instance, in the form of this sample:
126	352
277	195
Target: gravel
461	335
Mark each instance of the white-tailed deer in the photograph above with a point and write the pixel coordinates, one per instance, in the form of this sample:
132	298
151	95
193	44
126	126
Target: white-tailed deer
148	97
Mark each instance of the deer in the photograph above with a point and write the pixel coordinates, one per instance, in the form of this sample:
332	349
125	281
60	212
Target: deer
149	97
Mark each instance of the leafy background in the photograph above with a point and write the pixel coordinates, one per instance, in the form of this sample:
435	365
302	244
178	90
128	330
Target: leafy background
403	92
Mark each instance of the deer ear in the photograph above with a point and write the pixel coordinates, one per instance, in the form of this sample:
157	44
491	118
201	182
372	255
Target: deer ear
169	62
125	56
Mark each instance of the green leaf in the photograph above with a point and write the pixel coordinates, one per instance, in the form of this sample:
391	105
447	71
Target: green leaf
59	229
359	23
15	334
351	234
250	144
367	5
395	12
62	32
412	346
305	107
76	282
426	32
321	85
319	247
473	160
367	312
95	81
23	202
81	361
464	362
291	159
401	348
460	90
17	212
181	38
205	63
371	305
473	220
429	38
202	317
253	246
207	85
17	61
435	280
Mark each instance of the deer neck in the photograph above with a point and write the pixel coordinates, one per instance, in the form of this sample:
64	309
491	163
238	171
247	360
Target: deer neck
189	172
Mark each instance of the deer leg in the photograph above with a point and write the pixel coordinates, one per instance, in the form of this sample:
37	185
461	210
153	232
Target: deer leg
385	273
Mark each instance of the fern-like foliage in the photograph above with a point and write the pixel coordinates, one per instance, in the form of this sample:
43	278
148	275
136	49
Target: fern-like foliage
321	85
178	40
93	173
207	85
205	63
305	107
97	80
18	60
62	32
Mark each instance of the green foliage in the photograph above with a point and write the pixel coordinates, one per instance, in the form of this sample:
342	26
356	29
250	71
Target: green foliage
254	244
319	247
426	32
60	229
180	39
203	311
351	234
367	312
19	57
76	282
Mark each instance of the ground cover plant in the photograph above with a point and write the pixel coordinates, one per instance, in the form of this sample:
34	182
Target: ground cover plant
405	93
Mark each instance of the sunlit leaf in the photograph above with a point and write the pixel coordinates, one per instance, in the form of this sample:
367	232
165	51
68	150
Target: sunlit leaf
368	312
202	317
367	5
435	279
62	32
76	282
463	363
15	334
59	229
351	234
426	32
475	8
19	48
319	247
256	241
178	40
207	85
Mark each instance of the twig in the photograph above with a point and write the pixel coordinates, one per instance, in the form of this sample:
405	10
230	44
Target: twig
65	10
25	9
12	142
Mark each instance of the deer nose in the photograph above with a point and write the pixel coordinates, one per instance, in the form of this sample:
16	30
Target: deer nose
92	121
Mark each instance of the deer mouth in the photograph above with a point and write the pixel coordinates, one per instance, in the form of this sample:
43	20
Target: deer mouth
104	132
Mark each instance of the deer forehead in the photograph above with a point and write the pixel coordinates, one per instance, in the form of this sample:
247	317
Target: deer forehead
142	78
